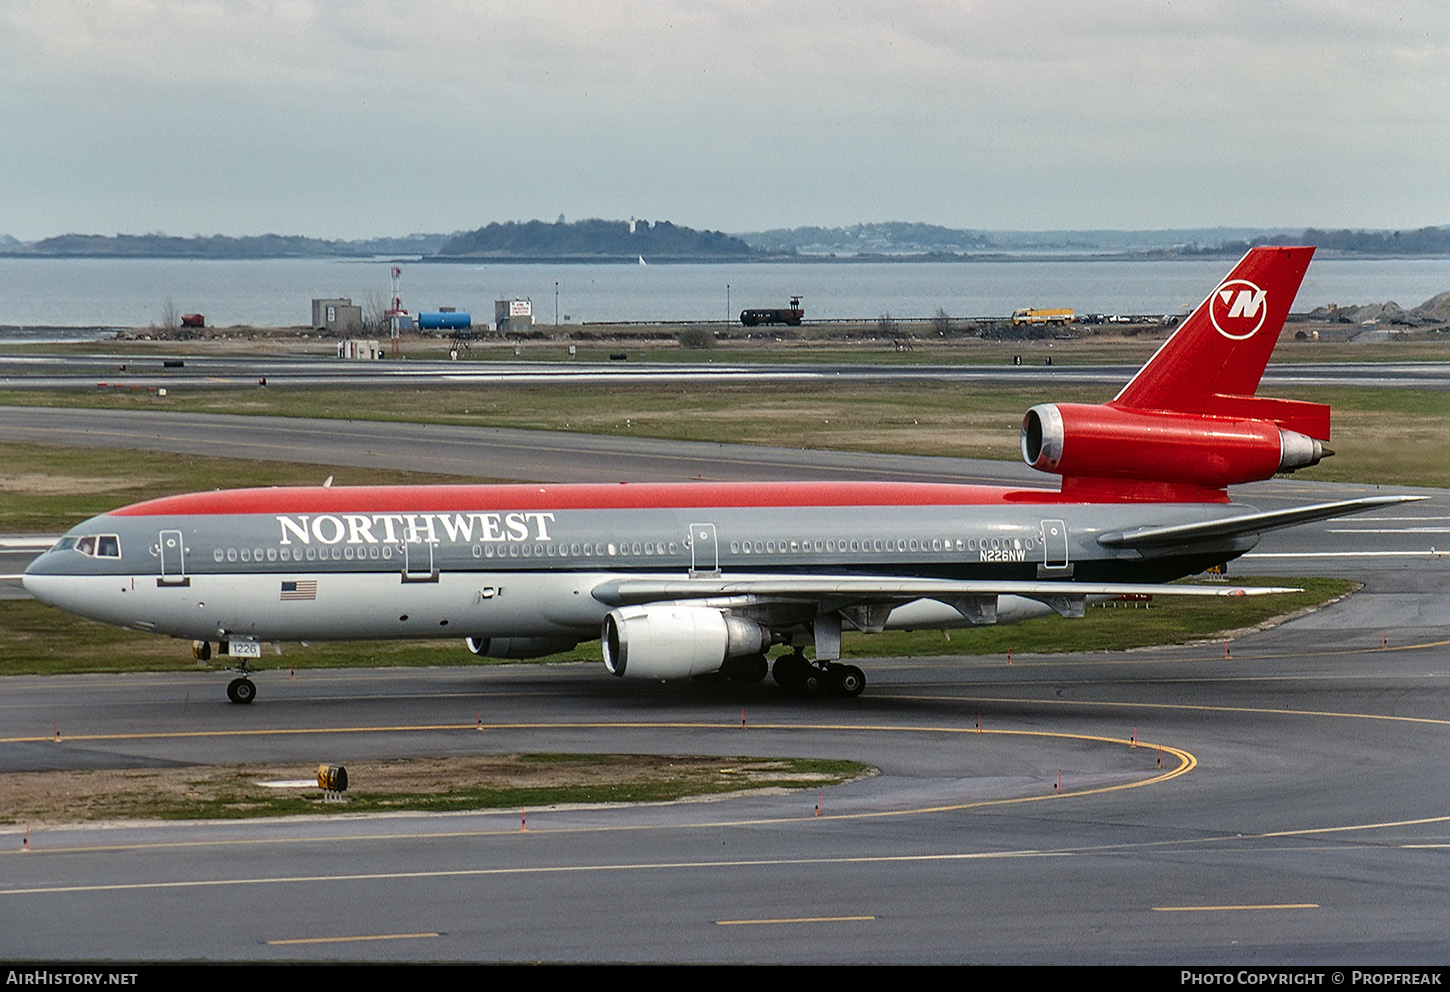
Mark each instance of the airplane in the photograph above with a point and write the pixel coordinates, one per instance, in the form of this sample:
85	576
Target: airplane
699	579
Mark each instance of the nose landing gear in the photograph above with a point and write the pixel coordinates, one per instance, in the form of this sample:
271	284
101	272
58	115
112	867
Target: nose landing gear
241	689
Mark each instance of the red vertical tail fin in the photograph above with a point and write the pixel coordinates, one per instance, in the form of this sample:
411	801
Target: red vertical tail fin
1213	363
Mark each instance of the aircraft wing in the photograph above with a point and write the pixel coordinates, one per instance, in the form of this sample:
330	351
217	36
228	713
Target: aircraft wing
840	591
1249	523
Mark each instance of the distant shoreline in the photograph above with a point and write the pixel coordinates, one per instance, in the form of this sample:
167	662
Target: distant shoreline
776	259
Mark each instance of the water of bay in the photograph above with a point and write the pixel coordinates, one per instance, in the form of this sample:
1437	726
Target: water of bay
135	292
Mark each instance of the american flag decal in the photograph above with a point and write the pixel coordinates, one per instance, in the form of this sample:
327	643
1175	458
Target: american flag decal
301	589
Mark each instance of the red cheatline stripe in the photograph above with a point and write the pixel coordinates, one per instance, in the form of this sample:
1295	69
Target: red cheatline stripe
644	496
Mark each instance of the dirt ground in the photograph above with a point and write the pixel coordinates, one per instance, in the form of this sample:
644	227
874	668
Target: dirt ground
62	797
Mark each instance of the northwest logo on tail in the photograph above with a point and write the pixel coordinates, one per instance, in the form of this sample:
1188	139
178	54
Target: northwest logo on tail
1237	309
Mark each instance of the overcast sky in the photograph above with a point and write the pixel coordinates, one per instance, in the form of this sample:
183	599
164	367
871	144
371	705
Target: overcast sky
338	119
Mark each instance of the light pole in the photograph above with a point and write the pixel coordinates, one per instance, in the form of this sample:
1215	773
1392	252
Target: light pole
556	303
727	304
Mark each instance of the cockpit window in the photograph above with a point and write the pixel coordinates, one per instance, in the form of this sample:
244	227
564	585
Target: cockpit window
95	545
64	544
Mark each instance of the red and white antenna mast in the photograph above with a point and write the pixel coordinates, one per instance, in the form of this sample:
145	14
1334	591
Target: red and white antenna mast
396	311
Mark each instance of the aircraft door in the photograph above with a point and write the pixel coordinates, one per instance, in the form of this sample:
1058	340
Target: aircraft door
418	562
1054	544
173	554
171	547
704	552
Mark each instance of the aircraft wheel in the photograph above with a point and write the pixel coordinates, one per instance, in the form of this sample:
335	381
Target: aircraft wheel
788	671
745	668
242	691
814	681
850	680
752	668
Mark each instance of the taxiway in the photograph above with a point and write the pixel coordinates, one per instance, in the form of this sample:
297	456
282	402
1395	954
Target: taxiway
1275	799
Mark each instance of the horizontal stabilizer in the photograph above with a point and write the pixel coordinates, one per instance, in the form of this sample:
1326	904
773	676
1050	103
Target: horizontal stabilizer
1249	523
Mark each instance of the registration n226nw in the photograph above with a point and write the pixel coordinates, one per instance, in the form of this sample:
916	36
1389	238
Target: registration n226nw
689	579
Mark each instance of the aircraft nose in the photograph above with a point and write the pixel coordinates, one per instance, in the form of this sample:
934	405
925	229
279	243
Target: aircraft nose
32	582
41	565
36	565
35	568
43	585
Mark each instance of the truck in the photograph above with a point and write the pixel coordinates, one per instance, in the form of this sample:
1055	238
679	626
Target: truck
1031	315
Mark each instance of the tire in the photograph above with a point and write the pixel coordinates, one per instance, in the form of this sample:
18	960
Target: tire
752	668
850	680
788	671
242	691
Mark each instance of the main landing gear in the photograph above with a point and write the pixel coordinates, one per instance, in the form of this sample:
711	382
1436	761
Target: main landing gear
795	674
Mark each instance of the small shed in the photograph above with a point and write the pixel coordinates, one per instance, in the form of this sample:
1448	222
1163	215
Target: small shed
337	314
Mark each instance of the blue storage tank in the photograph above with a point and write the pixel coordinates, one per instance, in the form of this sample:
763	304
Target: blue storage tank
446	320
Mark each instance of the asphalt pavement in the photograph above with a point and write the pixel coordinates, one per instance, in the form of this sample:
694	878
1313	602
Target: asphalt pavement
1272	799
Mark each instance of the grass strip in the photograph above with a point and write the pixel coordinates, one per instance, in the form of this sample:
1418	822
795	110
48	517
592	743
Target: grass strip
1381	436
46	489
435	785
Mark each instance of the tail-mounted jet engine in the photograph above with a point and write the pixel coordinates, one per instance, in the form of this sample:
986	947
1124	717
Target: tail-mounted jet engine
1104	442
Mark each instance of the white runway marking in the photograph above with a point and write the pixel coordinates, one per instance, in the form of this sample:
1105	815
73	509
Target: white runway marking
1346	554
